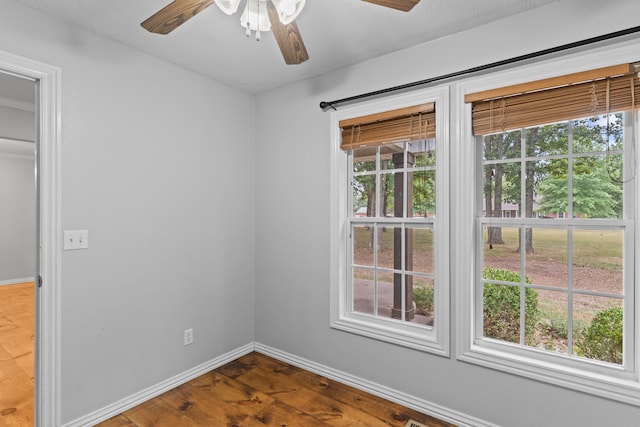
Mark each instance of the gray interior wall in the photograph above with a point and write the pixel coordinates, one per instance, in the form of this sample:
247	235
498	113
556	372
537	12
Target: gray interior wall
16	124
157	163
292	230
17	217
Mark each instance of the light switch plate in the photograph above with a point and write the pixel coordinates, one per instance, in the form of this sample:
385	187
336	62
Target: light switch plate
76	239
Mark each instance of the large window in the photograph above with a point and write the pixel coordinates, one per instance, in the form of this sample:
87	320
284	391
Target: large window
552	282
552	290
390	218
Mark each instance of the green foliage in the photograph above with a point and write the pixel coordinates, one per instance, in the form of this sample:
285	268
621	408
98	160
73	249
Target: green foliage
594	195
602	340
423	297
501	306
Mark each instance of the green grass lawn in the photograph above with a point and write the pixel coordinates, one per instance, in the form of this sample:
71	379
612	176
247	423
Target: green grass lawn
591	248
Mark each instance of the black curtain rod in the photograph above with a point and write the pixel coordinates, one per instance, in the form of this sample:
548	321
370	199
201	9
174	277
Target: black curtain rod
332	104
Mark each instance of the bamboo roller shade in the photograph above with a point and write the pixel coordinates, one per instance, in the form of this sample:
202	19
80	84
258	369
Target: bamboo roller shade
405	124
540	106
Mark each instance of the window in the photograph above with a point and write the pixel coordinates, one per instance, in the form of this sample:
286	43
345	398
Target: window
390	222
552	293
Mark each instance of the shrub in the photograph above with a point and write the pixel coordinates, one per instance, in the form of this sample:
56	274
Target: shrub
423	298
602	340
501	306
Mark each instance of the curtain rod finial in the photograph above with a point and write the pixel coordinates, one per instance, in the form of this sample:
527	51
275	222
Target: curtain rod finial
324	106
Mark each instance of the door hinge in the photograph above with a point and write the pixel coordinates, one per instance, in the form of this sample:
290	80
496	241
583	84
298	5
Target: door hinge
39	281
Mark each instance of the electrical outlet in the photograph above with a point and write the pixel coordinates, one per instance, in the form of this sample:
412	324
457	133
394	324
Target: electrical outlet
188	336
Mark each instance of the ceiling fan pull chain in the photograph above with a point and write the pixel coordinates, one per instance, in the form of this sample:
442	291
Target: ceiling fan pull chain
259	23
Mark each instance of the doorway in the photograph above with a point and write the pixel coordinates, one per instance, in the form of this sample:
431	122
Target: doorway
45	299
18	248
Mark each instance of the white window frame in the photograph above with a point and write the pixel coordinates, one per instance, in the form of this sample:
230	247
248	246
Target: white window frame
605	380
433	339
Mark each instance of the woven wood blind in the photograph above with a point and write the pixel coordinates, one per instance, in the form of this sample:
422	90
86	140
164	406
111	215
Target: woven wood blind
548	105
406	124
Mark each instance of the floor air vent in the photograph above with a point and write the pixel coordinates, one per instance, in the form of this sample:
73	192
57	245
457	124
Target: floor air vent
412	423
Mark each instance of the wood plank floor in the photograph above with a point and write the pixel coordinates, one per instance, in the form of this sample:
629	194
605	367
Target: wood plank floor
256	390
16	354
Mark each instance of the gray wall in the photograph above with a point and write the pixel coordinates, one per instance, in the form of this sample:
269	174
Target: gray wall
292	244
17	180
157	165
16	124
17	217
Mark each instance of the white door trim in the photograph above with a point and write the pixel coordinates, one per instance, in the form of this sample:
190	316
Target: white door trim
47	345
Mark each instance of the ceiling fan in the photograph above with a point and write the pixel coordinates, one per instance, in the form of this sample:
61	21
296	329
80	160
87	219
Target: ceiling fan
259	15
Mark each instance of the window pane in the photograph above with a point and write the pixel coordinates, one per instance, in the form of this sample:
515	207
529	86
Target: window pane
550	319
363	245
424	152
598	260
364	195
423	294
501	191
598	328
421	246
385	294
364	159
386	237
392	156
502	146
547	140
501	248
597	187
388	182
598	133
424	193
546	257
501	311
551	196
363	290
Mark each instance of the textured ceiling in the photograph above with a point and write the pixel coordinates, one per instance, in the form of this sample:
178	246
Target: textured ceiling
336	33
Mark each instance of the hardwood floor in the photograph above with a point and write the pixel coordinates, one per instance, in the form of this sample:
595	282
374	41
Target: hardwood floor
256	390
16	354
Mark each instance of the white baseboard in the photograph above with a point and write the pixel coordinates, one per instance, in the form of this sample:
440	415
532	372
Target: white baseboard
18	280
149	393
404	399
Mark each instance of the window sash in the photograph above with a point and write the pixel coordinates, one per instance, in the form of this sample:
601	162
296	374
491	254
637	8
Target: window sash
628	370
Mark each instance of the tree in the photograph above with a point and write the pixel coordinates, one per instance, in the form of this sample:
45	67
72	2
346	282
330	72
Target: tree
497	147
594	195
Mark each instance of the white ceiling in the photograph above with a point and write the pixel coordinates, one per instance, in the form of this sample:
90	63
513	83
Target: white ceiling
336	33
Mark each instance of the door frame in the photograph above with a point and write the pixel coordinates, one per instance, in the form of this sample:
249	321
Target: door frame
47	361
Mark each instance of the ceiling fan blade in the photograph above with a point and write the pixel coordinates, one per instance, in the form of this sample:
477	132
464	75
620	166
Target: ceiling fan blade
174	14
403	5
288	38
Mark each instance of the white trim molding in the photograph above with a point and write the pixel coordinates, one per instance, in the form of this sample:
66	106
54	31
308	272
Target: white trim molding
399	397
428	339
16	281
617	383
17	105
47	345
149	393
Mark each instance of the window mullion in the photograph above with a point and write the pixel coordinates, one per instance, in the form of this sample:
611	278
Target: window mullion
570	239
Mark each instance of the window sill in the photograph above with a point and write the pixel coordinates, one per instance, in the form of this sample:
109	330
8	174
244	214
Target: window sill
589	377
414	336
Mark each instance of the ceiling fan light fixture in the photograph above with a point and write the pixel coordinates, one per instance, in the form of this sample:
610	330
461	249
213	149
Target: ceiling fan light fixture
229	7
255	17
288	10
